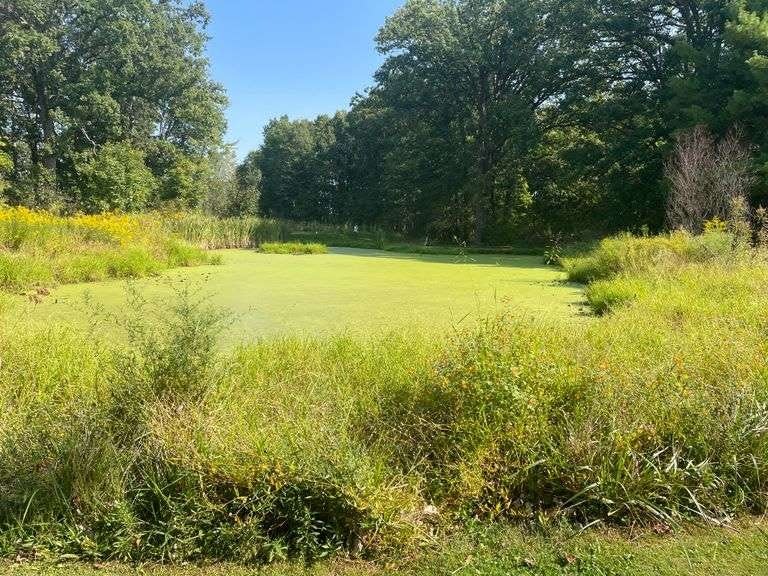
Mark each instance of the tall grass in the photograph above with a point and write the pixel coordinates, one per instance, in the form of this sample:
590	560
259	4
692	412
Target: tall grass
210	232
628	254
39	248
166	449
627	268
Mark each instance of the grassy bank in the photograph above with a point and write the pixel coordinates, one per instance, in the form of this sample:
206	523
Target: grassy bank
503	551
166	450
211	233
39	249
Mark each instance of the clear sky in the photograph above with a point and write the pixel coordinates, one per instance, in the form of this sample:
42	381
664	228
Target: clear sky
296	57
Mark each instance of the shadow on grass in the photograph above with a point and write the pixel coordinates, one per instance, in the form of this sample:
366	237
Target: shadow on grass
487	260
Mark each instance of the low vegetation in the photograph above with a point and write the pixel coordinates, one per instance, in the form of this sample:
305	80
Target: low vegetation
295	248
38	249
167	450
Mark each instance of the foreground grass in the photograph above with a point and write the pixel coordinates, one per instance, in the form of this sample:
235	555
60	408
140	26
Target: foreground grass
164	449
738	551
354	291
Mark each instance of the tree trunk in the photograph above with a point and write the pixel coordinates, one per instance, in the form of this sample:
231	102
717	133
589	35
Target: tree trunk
48	129
480	209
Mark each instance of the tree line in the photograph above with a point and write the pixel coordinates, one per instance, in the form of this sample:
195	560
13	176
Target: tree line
109	105
491	120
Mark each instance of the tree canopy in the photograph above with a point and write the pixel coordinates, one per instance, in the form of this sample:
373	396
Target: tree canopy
494	119
489	120
86	85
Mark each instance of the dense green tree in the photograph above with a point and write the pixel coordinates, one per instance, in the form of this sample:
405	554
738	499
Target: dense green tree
247	190
297	175
113	178
182	179
498	119
76	75
470	77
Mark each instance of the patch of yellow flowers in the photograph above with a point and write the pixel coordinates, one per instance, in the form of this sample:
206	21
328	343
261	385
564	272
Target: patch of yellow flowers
26	216
116	227
122	228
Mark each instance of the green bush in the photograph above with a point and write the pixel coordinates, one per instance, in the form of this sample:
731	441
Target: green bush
296	248
129	465
114	178
630	254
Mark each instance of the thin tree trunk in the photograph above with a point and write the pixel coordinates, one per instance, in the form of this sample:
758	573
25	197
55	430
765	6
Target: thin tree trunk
49	129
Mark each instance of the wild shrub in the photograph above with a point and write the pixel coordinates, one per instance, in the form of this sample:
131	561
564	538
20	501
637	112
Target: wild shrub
708	178
40	248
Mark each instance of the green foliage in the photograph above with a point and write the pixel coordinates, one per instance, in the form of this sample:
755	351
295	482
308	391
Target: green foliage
142	497
631	255
501	549
471	133
82	76
181	180
295	170
293	248
38	249
246	196
114	178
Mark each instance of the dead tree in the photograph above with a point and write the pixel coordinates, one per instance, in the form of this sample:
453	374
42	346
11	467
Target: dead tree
707	178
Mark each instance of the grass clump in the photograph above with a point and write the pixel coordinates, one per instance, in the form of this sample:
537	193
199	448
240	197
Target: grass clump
628	254
41	249
295	248
213	233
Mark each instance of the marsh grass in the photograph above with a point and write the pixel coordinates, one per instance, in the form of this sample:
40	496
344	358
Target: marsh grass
42	249
167	449
295	248
213	233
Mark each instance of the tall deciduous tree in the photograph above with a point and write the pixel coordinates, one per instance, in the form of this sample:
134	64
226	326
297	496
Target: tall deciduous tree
495	119
298	176
472	76
78	74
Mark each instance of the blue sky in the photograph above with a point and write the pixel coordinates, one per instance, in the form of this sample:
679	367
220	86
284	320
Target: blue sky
296	57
